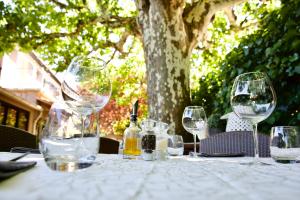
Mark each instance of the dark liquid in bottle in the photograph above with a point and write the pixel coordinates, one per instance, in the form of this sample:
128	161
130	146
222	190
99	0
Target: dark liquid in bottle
148	143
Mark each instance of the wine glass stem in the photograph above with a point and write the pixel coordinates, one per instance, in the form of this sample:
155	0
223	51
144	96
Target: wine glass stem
98	123
255	139
195	153
82	125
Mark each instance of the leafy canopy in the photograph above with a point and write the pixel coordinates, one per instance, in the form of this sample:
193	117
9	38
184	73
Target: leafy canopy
274	48
60	30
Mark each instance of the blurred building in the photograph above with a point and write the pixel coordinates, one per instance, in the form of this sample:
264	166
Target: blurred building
27	90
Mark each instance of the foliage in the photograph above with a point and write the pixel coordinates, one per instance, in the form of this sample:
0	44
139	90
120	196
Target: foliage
128	78
273	49
114	118
222	37
128	85
60	30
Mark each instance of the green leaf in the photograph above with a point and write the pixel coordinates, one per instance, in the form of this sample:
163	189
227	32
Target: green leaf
295	45
294	57
268	51
246	51
297	70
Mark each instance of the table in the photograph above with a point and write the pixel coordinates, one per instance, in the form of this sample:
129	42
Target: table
112	177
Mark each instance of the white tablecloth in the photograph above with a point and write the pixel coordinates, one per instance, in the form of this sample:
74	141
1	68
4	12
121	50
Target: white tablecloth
114	178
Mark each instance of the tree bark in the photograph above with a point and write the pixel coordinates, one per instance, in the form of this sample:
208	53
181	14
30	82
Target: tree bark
167	62
170	30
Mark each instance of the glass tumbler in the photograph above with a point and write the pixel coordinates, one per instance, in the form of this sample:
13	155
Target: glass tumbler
285	144
175	145
69	141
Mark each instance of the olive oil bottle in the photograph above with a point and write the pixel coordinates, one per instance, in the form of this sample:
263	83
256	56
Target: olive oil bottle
132	136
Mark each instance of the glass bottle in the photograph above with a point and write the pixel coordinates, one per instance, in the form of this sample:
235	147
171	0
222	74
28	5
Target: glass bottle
132	136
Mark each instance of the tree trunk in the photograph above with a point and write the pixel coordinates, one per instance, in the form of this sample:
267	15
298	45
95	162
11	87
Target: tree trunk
168	70
168	66
170	30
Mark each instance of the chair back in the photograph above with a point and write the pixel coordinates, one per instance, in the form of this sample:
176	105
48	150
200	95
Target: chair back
108	146
14	137
235	123
235	142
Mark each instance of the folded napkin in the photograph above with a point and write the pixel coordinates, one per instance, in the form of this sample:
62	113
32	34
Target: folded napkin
221	154
11	168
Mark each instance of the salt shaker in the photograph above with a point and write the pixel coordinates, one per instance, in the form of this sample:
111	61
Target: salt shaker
161	129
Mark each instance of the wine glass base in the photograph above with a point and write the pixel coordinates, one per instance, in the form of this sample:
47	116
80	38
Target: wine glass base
287	161
193	156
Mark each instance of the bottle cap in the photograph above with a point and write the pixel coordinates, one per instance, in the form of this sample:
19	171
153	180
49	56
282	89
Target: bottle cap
133	115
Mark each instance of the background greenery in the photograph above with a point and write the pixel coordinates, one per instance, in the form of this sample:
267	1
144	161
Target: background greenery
274	49
265	36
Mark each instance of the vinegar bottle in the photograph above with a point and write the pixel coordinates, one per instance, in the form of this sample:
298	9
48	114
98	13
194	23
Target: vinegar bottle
132	136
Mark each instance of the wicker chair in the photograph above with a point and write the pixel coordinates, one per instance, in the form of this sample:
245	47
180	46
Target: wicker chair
235	142
108	146
13	137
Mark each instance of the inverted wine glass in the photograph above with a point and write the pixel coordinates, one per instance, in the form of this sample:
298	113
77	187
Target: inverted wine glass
253	98
194	121
86	87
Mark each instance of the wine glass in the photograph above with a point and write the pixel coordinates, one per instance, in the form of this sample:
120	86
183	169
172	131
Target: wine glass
253	98
86	87
194	121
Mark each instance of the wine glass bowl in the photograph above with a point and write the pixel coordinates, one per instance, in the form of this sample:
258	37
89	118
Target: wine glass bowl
86	86
194	121
253	98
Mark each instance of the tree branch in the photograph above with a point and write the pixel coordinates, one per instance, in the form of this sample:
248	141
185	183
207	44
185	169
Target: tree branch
116	45
66	6
173	7
198	15
143	7
231	17
115	21
112	57
197	18
45	38
58	3
221	4
112	22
